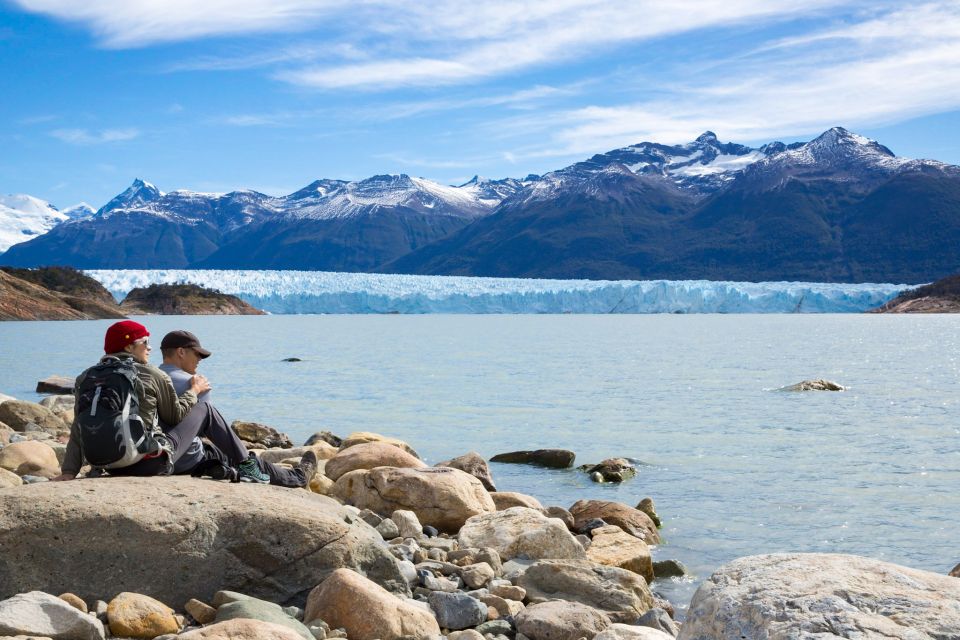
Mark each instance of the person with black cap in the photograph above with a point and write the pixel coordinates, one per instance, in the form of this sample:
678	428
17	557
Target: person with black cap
226	457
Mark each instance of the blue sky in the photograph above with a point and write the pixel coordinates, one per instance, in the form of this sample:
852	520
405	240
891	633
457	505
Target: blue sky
272	94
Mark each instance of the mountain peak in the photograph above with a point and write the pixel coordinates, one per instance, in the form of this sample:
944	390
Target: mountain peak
706	137
139	193
838	138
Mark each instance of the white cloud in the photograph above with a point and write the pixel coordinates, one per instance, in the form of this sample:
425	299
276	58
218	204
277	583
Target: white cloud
87	137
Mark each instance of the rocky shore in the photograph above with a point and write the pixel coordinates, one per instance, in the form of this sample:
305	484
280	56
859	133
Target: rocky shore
184	300
942	296
384	546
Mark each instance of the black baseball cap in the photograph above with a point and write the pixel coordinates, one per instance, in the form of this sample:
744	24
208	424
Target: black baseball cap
185	339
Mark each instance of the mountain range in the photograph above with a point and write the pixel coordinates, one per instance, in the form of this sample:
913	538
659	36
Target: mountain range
840	208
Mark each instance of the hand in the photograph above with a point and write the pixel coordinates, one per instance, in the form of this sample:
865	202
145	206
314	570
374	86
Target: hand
64	477
199	384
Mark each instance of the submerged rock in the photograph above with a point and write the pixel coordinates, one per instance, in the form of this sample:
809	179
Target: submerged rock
610	470
633	521
552	458
814	385
822	595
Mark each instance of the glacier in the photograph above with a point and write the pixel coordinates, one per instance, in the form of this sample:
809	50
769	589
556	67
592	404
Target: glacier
316	292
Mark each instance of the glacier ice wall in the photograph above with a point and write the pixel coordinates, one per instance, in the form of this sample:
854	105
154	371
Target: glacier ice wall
294	292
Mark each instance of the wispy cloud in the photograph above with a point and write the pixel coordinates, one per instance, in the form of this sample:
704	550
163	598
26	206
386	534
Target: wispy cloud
88	137
39	119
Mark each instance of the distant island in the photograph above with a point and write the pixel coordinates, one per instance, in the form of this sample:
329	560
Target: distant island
942	296
64	293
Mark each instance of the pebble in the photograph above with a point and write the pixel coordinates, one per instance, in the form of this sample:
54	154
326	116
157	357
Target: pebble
430	532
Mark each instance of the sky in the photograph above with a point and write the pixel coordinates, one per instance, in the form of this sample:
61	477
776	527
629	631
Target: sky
272	94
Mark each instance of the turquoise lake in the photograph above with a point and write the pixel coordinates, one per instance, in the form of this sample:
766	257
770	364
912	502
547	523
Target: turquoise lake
735	467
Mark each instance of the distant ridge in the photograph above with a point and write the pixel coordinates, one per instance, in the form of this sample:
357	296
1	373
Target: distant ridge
839	208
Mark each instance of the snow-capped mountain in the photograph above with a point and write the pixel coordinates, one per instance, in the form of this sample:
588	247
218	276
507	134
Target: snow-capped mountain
79	211
24	217
136	195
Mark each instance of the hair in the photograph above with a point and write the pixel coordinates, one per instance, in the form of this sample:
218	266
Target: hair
168	351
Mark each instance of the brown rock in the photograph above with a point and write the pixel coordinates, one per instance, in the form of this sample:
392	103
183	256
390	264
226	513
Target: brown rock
633	521
474	464
441	497
509	592
277	454
242	629
74	601
370	455
200	611
367	611
17	414
562	514
611	470
501	605
615	548
9	479
29	457
955	572
56	384
506	499
5	433
132	615
520	531
552	458
261	434
360	437
321	484
561	620
646	505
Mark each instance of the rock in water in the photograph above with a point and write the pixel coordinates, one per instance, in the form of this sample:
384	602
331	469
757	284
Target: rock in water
822	595
56	384
814	385
611	470
552	458
41	614
89	536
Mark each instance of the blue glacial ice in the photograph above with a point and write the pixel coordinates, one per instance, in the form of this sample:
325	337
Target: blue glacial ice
296	292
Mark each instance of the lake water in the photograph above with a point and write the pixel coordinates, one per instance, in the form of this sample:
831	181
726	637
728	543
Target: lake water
735	467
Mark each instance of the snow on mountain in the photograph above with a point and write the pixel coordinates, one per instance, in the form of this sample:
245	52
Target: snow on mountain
493	192
24	217
137	195
297	292
79	211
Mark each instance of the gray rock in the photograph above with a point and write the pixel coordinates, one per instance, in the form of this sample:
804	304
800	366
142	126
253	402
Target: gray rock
520	531
40	614
669	569
496	627
513	569
58	403
324	436
438	555
477	575
388	529
447	544
660	620
623	594
371	518
269	542
492	558
457	610
294	612
474	464
561	620
552	458
631	632
407	523
225	596
319	632
409	572
818	384
646	505
562	514
822	595
438	583
264	611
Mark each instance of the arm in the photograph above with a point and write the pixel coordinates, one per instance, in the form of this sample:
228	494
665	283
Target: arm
172	409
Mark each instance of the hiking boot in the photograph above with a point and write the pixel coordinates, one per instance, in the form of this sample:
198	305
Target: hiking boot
308	466
223	472
249	471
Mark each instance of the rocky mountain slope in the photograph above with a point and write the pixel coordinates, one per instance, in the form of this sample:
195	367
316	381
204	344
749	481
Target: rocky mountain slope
53	294
184	300
840	208
942	296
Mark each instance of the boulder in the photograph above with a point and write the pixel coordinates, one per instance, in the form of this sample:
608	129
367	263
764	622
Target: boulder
269	542
133	615
361	437
520	531
660	620
552	458
506	499
17	414
324	436
241	629
646	505
818	384
669	569
622	594
58	403
442	497
200	611
610	470
457	610
56	384
29	457
256	609
367	611
955	572
40	614
408	525
613	547
561	620
278	454
562	514
822	595
9	479
474	464
74	601
504	606
370	455
633	521
261	434
477	575
631	632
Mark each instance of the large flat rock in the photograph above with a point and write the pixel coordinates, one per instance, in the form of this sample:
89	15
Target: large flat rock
178	538
819	595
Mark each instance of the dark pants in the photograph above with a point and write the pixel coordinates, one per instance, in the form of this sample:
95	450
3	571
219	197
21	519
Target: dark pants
204	420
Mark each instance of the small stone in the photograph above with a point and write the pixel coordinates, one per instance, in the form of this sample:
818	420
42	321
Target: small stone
407	523
100	608
646	505
409	571
457	610
658	619
584	540
319	632
437	554
200	611
477	575
430	532
669	569
387	529
420	555
492	558
496	627
438	542
294	612
74	601
371	518
438	583
503	606
133	615
510	592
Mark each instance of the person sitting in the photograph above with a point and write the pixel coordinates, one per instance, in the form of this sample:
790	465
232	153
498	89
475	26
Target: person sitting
227	457
158	403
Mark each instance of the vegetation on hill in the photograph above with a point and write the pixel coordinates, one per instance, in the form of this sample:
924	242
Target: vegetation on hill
184	299
53	293
942	296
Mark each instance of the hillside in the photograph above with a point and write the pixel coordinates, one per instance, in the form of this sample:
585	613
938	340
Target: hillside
184	300
53	293
942	296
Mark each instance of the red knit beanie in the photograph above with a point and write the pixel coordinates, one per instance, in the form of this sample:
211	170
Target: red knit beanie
122	333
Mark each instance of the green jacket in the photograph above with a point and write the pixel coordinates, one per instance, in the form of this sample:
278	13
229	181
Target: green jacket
159	404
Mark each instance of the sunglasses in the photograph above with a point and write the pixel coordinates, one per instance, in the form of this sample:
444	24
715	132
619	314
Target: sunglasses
144	341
